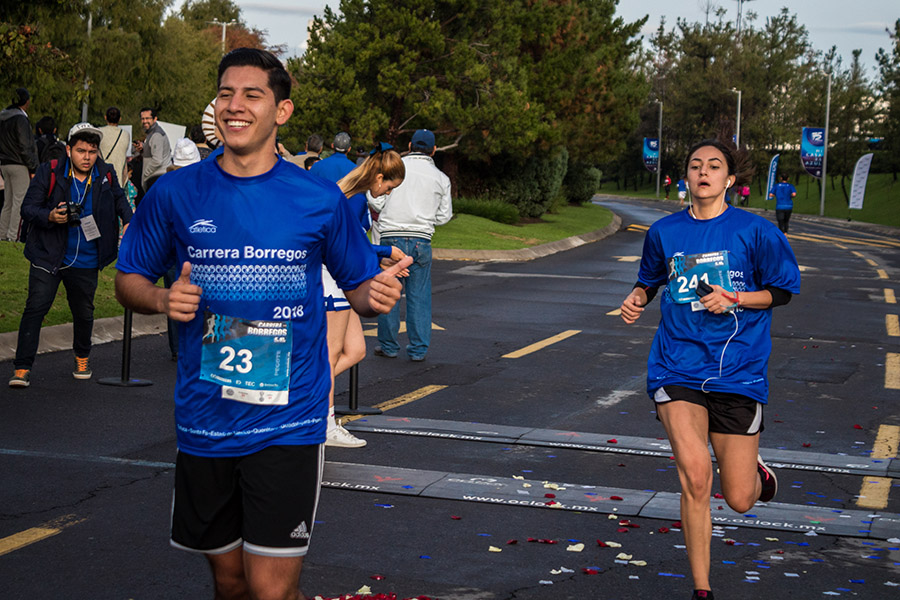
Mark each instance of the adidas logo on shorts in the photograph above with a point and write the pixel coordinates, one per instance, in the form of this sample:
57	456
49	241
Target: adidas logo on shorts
301	532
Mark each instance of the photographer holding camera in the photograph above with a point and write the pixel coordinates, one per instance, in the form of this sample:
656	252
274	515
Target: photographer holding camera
70	215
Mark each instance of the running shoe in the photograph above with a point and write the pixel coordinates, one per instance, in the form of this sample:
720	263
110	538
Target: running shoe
21	378
82	370
379	352
769	481
341	438
702	595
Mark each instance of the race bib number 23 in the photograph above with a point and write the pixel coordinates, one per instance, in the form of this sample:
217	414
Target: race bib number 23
251	360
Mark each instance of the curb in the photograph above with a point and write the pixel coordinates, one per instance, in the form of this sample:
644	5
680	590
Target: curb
524	254
110	329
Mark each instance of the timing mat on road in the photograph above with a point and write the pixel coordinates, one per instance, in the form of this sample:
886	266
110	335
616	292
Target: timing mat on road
600	442
513	491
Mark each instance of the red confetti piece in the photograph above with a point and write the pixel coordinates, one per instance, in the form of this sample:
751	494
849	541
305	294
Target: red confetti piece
542	541
376	577
549	495
624	522
676	525
779	552
532	539
612	441
511	542
621	464
601	543
730	542
617	498
807	445
718	495
663	530
590	571
857	427
622	530
720	508
455	517
779	421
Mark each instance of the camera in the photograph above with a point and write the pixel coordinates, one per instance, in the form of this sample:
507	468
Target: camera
73	212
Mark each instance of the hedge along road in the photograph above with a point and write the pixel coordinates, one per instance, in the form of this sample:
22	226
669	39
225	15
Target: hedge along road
92	463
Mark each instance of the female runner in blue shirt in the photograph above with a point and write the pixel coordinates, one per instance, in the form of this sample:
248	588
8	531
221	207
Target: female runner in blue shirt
722	270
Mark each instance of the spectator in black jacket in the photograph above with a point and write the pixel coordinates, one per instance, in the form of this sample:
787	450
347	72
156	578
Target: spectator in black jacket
18	161
71	213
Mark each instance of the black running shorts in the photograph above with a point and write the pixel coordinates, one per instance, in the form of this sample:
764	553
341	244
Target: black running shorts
728	413
264	501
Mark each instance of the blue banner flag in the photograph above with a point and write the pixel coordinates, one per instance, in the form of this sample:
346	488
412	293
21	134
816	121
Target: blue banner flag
773	171
812	150
651	154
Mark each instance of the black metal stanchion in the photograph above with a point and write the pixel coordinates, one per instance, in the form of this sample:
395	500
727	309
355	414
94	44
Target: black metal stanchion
353	407
125	380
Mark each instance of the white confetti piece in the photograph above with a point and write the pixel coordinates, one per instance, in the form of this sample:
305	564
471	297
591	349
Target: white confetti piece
575	548
830	594
494	549
545	582
891	584
633	577
792	575
614	544
776	558
811	534
771	539
364	591
752	577
894	541
612	517
638	563
752	572
623	556
519	477
526	485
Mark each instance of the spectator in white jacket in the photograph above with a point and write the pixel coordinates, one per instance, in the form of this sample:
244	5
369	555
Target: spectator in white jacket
407	218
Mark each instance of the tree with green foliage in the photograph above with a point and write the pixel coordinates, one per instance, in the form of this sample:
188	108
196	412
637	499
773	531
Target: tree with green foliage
889	86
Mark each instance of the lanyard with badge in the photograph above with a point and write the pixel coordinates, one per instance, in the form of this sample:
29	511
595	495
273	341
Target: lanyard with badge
686	271
250	359
87	222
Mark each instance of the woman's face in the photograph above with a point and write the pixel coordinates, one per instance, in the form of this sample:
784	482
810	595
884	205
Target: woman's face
707	174
383	186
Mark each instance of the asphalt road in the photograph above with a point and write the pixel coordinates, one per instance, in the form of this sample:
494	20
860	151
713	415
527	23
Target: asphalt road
87	473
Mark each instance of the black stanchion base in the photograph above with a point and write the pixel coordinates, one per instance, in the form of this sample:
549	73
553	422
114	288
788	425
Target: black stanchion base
119	382
364	411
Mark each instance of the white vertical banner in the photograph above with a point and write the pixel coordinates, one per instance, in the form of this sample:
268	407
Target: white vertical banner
860	175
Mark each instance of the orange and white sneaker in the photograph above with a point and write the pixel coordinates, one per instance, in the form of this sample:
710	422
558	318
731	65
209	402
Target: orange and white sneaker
82	369
21	378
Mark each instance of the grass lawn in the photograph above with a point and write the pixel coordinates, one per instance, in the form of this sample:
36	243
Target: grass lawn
881	203
14	275
475	233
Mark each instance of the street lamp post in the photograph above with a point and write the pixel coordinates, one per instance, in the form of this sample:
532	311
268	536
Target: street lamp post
659	138
737	133
224	27
825	148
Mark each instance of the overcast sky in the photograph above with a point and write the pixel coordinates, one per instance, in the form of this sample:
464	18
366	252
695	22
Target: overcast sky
847	24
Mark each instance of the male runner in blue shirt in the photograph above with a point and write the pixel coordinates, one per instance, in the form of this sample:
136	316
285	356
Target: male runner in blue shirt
250	233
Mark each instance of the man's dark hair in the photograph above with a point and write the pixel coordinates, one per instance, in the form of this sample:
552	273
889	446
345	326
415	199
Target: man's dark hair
153	111
197	136
315	143
113	115
279	79
20	97
784	178
46	124
84	136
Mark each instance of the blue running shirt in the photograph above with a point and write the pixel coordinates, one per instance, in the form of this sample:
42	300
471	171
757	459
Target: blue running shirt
256	246
688	344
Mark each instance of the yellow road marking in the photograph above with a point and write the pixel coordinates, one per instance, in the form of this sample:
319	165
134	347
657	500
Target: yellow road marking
811	237
36	534
881	273
892	371
401	400
542	344
856	253
627	258
875	490
871	262
892	323
372	330
889	296
636	227
836	245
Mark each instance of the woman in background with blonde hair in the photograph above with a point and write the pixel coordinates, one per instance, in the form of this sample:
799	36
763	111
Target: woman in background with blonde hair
378	175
